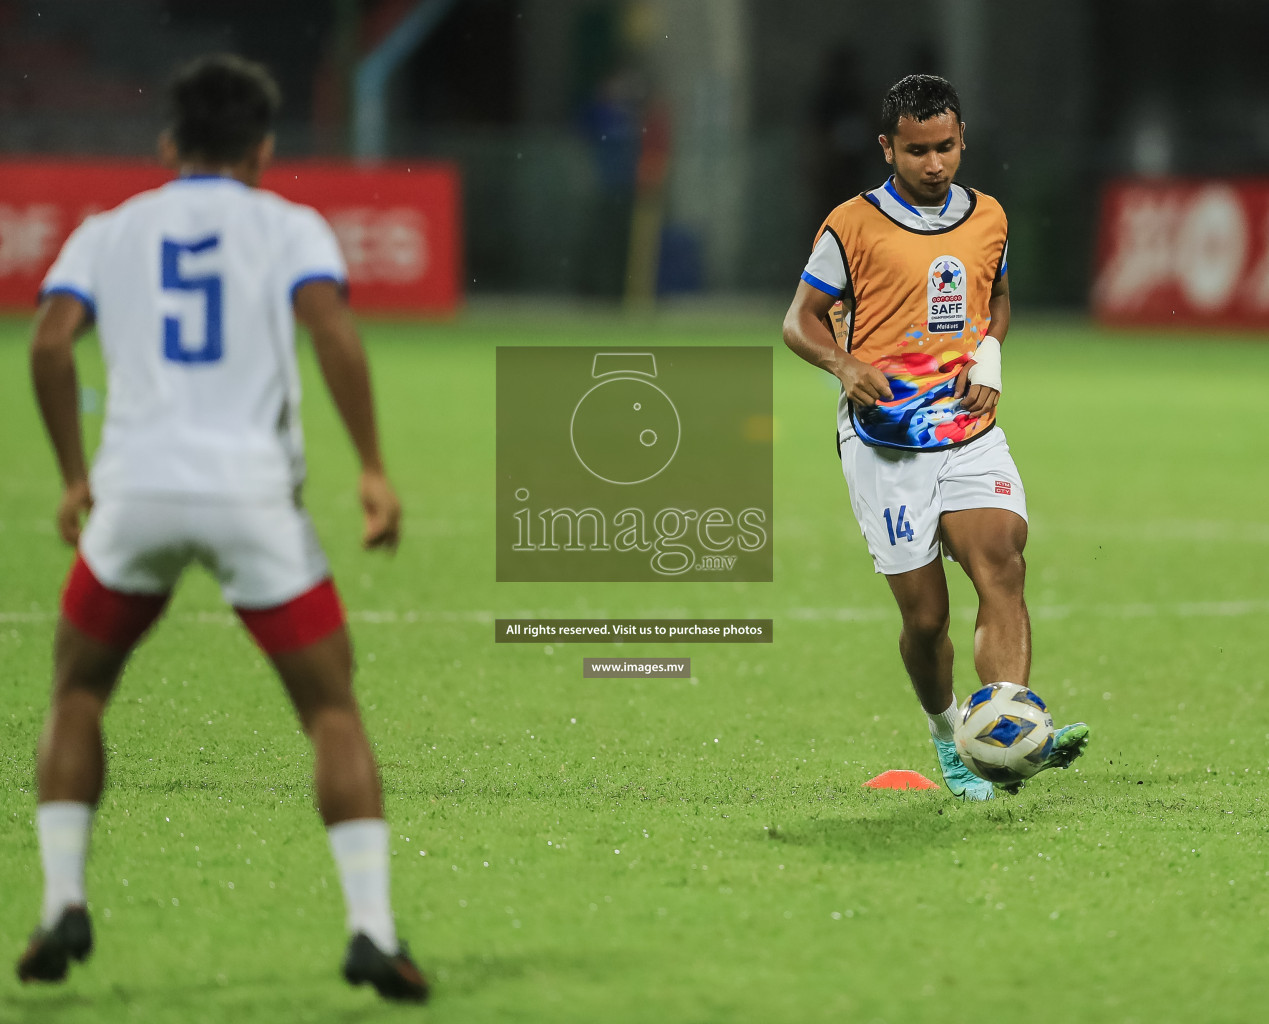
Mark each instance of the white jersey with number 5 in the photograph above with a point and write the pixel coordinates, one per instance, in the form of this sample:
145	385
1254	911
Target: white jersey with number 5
191	285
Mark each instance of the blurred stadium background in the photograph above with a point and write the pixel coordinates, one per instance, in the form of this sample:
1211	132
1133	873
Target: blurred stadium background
509	172
738	122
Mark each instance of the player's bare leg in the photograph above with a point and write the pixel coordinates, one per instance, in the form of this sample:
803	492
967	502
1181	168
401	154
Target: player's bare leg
924	643
927	654
71	762
70	772
988	543
318	678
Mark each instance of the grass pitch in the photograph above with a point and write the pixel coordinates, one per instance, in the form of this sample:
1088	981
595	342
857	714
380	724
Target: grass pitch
694	850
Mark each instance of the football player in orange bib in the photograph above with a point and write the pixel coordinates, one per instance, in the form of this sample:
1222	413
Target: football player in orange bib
905	299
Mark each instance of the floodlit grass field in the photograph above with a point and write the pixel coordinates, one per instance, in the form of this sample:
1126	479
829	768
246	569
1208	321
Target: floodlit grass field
572	850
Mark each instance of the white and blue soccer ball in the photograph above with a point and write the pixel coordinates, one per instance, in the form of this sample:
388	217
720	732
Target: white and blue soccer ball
1005	733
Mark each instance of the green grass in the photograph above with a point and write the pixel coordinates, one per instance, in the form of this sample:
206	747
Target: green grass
756	879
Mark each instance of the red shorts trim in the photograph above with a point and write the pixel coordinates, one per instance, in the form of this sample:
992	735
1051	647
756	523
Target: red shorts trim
303	620
110	617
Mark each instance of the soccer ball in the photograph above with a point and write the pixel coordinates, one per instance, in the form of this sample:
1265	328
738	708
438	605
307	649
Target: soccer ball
1005	733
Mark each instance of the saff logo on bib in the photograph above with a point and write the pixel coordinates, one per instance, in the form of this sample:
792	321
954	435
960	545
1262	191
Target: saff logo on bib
945	292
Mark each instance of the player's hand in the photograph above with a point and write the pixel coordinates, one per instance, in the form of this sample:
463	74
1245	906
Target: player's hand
865	385
382	510
976	399
77	502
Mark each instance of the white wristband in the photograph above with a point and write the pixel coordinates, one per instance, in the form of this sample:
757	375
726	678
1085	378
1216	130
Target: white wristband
986	368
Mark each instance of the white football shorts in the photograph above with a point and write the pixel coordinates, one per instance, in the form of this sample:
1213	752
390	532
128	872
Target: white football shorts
898	496
263	553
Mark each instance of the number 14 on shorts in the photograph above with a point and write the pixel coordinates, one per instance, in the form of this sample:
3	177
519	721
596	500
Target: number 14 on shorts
898	526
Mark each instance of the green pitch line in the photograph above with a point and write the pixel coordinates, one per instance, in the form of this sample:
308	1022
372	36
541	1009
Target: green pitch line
693	849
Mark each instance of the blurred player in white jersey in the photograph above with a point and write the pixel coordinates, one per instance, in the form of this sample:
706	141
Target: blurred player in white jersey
195	288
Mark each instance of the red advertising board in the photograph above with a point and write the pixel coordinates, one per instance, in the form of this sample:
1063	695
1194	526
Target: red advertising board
1185	252
398	226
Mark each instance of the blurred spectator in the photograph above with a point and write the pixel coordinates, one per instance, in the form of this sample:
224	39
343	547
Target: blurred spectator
843	161
612	123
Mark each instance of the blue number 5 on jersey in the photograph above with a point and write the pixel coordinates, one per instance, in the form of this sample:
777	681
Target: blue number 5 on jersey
173	345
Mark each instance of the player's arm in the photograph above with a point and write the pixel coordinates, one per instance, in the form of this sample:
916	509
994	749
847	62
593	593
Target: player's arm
983	380
59	320
998	307
320	307
806	333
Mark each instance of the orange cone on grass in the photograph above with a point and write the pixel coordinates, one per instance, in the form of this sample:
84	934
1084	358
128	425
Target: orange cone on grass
901	778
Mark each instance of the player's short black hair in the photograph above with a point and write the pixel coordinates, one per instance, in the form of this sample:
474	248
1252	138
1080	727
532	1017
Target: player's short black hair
221	107
919	97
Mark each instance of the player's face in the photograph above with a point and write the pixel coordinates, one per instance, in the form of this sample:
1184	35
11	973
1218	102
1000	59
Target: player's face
925	156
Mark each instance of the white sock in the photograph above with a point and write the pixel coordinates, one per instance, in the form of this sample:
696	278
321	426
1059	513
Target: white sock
943	725
63	827
361	854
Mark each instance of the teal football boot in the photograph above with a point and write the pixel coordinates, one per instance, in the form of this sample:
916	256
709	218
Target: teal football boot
961	782
1068	744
